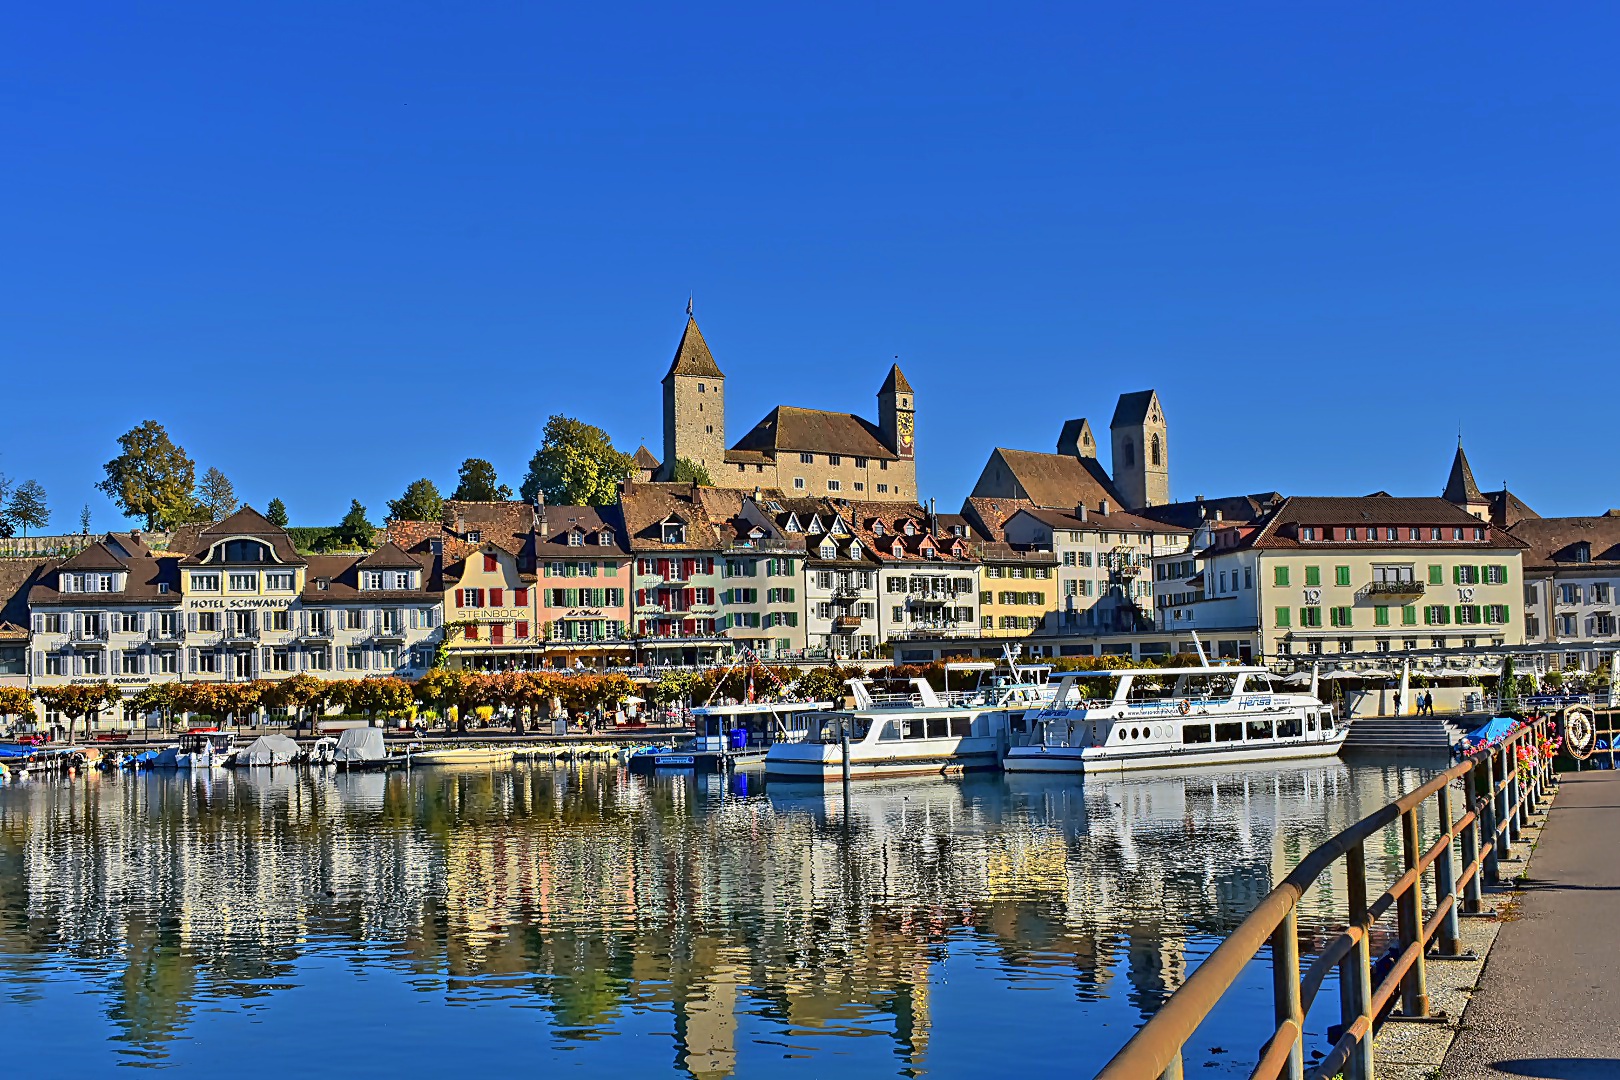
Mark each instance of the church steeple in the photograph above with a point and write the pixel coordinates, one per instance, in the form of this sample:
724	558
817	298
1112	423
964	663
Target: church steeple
1461	490
897	414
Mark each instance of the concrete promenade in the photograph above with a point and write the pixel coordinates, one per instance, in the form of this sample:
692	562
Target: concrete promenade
1548	1001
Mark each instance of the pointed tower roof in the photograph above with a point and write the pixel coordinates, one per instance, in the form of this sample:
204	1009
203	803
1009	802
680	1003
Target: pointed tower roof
692	356
1133	408
896	382
644	458
1460	487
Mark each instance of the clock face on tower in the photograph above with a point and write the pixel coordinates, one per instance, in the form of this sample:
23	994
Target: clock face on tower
903	424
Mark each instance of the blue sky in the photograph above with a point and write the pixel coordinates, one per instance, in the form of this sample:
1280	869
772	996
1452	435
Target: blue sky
337	247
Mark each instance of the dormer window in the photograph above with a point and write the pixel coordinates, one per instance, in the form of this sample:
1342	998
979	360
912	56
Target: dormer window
674	532
877	528
243	551
898	550
854	549
828	551
403	579
1479	534
475	536
911	529
605	538
436	547
322	584
576	538
793	525
1583	552
371	579
1307	532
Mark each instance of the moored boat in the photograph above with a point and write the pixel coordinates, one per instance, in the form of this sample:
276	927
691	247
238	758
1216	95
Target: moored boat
1159	718
729	736
464	755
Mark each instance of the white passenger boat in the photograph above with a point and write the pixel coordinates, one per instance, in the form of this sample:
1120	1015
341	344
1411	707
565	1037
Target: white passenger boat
728	736
920	732
1158	718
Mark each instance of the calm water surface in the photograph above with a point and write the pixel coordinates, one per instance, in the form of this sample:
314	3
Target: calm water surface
576	917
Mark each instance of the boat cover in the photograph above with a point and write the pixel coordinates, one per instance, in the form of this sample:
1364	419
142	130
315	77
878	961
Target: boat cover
1492	730
167	758
360	744
268	750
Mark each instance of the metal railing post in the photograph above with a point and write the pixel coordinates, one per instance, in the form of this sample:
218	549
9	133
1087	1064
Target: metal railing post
1473	892
1285	990
1445	882
1515	804
1502	827
1355	970
1415	987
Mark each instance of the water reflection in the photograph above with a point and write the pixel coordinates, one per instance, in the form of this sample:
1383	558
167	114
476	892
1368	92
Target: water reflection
722	921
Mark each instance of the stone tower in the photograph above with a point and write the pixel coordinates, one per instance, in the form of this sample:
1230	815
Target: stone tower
897	415
1141	450
694	407
1075	439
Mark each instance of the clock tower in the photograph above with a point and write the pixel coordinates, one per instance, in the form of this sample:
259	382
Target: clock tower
897	415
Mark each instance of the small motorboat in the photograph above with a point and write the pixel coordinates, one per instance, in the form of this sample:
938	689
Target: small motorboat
267	750
464	755
323	751
363	748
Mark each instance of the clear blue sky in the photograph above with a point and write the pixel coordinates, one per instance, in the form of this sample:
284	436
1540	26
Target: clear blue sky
337	247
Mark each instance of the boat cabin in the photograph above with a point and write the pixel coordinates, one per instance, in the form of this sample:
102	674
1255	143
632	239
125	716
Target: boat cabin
754	726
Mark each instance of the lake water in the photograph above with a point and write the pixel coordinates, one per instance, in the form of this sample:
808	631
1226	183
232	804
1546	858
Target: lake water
575	917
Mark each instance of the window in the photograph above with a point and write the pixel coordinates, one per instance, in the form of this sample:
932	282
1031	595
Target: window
1340	616
1380	615
244	582
168	661
834	485
576	538
807	459
1282	616
205	583
860	463
1436	576
1281	576
834	459
131	664
1600	592
1465	575
1341	576
883	488
278	620
1307	532
1436	615
1310	616
371	579
798	483
1570	594
278	581
1313	576
491	564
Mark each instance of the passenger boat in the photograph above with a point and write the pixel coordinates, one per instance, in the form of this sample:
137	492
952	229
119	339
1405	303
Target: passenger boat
1209	715
464	755
921	732
728	736
203	750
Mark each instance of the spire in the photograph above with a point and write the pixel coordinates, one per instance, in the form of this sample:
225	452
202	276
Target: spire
692	356
896	382
1460	487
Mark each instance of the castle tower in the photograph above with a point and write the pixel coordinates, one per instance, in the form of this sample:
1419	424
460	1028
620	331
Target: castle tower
694	407
897	415
1141	450
1461	489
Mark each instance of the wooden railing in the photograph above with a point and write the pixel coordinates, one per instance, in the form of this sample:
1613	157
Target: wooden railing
1503	795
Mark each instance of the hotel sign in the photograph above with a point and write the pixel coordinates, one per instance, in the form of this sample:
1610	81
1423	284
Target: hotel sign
237	603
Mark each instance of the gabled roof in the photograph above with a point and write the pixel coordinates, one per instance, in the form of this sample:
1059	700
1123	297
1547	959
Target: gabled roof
245	522
593	522
1280	528
1053	480
1231	508
989	515
18	578
98	556
341	573
896	382
390	556
692	356
1507	509
789	429
1553	542
644	458
1460	486
1133	408
647	506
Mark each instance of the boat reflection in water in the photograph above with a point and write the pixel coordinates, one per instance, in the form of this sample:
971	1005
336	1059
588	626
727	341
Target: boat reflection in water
462	917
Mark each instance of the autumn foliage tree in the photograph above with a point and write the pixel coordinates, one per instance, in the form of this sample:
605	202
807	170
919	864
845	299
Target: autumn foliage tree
77	702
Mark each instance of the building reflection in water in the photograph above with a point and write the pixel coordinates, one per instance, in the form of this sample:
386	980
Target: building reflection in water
745	915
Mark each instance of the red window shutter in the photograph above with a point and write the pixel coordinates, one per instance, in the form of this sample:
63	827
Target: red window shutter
496	596
490	564
522	630
663	568
522	597
497	633
461	598
472	632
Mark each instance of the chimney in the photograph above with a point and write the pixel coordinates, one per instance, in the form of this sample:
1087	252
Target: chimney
1102	507
1081	511
1198	498
461	523
541	524
1218	515
756	493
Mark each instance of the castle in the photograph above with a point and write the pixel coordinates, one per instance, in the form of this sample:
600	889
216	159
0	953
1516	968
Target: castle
801	452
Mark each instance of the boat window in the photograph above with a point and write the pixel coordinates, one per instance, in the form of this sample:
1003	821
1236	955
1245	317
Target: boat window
938	727
1288	727
889	731
961	726
1260	729
1327	720
1136	733
1195	733
911	728
1232	732
1310	721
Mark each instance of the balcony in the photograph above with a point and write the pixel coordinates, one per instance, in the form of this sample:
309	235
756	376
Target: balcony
244	634
846	623
845	593
1395	588
315	633
89	635
165	637
389	633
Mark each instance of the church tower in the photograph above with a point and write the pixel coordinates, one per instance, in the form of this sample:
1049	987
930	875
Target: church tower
1462	491
897	415
694	407
1141	450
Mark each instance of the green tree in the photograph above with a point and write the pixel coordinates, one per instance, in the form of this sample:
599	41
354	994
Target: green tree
28	506
576	465
276	514
84	519
421	502
476	483
690	472
354	531
216	495
152	478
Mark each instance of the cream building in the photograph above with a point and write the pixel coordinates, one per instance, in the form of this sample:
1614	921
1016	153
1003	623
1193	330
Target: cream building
1365	574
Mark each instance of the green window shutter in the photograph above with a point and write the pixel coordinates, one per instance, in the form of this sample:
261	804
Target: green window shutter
1281	576
1502	570
1435	577
1283	616
1428	615
1409	615
1343	574
1313	576
1304	616
1380	616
